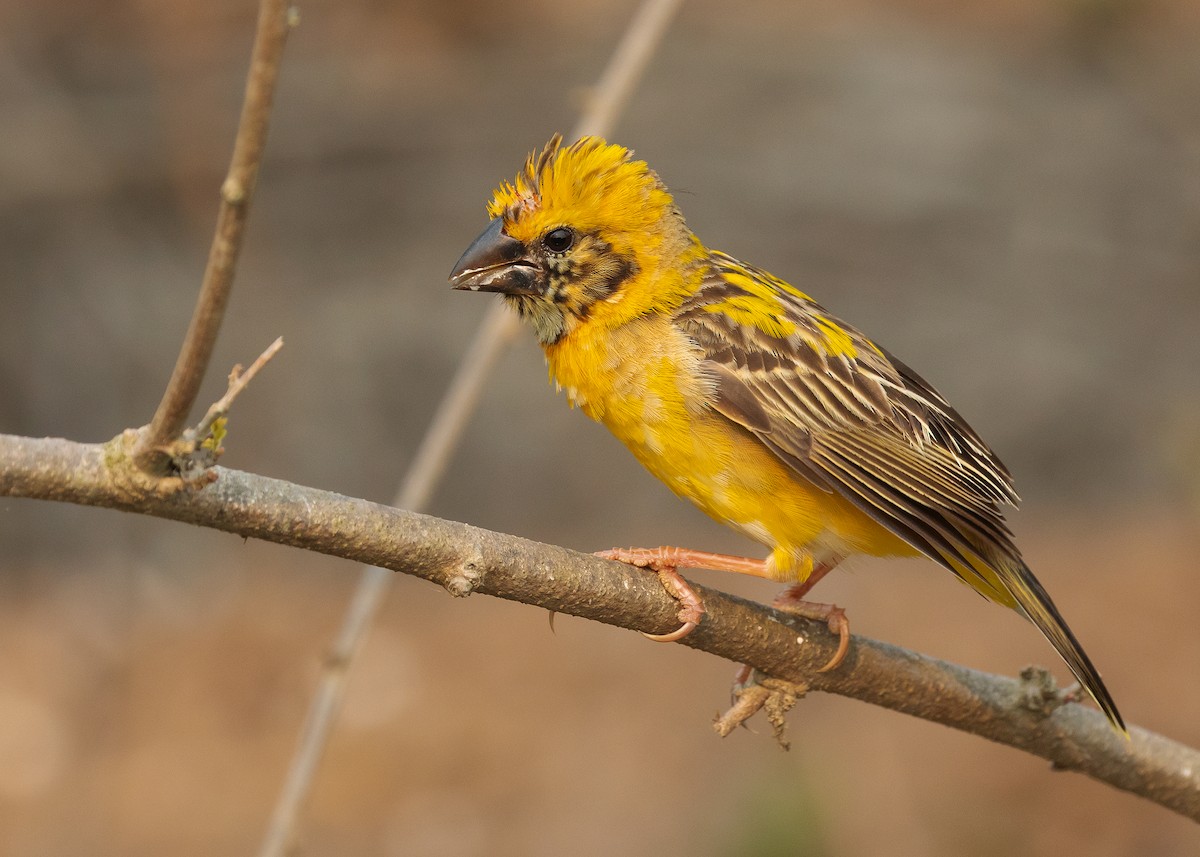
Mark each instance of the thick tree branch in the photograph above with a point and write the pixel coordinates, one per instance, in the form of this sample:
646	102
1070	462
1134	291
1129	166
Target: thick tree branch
153	450
464	559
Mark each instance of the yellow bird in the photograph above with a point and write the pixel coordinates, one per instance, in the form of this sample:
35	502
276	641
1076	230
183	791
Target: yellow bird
745	396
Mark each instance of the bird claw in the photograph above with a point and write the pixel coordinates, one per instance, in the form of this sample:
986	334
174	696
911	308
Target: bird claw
678	634
830	614
840	625
691	608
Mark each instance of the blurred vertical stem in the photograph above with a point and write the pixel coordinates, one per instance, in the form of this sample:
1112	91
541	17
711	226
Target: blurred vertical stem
604	104
152	453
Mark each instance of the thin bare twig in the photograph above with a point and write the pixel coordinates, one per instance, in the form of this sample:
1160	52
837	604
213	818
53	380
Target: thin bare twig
605	103
196	450
153	453
238	380
1024	713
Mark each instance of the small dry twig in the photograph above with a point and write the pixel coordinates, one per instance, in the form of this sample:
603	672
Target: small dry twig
196	450
776	696
237	382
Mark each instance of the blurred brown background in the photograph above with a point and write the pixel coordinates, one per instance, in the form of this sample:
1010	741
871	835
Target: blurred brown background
1006	195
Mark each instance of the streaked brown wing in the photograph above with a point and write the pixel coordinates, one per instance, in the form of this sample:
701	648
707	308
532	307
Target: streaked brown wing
848	416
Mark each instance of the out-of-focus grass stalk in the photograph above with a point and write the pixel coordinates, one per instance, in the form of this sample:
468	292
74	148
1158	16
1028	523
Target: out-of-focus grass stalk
604	104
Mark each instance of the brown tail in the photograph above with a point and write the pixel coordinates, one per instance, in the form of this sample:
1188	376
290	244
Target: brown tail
1035	603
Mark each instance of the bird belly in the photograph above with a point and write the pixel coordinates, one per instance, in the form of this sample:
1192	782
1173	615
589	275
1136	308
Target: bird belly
650	392
736	480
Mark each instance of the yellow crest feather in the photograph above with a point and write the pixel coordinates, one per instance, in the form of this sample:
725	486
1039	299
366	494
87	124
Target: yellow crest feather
590	183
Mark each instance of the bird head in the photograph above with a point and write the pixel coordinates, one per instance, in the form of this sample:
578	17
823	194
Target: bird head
572	233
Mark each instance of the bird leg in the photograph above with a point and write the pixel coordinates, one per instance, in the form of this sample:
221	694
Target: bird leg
655	558
666	560
791	600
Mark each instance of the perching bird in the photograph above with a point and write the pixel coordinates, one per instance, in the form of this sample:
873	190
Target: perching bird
745	396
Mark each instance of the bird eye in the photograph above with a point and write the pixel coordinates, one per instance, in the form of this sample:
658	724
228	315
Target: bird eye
559	240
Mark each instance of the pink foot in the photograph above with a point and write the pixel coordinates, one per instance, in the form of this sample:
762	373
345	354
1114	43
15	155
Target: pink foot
832	615
664	562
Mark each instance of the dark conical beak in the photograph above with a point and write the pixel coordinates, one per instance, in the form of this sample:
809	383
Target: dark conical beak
496	263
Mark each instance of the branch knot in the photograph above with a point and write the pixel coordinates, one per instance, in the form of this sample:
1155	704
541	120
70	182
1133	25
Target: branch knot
1039	692
463	581
233	192
776	696
135	484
